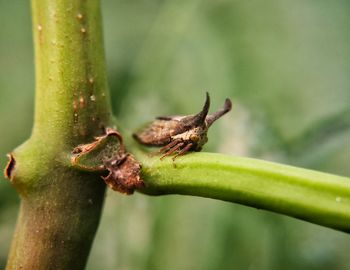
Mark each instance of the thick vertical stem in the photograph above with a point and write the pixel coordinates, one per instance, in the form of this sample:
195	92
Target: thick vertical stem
71	97
61	207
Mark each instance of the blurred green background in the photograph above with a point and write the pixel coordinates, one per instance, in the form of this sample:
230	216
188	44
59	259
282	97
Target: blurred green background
285	64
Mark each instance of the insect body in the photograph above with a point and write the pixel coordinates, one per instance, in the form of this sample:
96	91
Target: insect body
180	134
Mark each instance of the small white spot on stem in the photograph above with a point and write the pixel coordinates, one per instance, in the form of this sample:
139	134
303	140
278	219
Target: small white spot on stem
83	30
92	98
79	16
40	28
81	102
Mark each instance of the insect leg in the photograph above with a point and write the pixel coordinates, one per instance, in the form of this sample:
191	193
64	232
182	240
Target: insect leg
183	150
172	150
166	147
169	146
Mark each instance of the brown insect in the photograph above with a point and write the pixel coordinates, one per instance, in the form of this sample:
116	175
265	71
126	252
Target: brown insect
180	134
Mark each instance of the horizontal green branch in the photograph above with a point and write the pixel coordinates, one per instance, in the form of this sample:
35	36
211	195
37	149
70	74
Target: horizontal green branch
316	197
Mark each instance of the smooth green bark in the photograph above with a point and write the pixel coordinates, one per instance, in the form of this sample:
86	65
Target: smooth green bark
60	206
317	197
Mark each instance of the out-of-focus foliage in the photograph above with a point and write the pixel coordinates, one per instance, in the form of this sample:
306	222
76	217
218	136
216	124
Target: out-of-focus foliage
285	64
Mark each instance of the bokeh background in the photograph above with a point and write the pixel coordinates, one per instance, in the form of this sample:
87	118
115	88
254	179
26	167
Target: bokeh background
285	64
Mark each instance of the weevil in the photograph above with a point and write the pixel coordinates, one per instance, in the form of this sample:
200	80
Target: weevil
180	134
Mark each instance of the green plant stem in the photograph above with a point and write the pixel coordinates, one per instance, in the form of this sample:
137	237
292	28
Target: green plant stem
60	206
316	197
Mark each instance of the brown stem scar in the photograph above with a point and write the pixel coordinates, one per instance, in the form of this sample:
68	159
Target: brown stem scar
10	166
107	155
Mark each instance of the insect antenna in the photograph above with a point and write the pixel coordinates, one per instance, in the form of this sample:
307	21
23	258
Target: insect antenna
211	118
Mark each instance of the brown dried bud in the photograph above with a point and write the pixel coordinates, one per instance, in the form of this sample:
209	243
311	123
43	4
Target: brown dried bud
124	174
107	153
